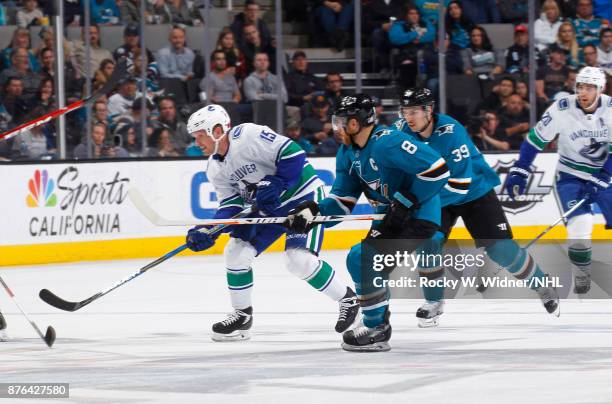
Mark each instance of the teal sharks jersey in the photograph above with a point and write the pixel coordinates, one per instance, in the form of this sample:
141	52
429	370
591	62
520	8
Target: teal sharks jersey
390	161
470	175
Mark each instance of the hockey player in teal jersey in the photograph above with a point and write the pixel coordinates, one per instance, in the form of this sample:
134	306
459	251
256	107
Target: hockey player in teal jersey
470	195
400	177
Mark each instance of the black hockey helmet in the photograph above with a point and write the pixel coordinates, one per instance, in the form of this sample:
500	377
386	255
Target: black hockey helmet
417	97
359	106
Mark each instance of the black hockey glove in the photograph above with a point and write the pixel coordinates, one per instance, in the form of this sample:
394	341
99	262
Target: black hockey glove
400	211
299	219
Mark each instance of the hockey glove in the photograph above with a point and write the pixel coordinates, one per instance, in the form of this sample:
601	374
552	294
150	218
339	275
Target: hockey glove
596	184
400	211
517	181
267	197
198	240
299	219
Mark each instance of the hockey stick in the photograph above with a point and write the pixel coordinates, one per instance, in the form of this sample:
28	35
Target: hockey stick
563	218
51	298
49	336
154	217
118	73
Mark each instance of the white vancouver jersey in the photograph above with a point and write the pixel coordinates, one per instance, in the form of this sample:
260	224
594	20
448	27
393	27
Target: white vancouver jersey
254	152
584	139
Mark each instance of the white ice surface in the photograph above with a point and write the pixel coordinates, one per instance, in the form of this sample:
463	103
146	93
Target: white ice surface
149	342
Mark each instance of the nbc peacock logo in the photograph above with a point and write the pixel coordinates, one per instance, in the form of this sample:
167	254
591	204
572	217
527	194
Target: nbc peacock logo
41	189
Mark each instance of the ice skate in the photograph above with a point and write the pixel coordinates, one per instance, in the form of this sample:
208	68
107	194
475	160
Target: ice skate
582	281
349	308
365	339
550	299
429	313
235	327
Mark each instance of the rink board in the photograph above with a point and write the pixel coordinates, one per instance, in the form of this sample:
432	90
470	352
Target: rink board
59	212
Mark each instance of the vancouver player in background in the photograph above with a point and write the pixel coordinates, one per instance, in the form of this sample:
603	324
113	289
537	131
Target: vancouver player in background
583	122
469	195
401	178
252	165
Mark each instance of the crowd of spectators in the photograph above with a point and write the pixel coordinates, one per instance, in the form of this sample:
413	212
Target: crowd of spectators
568	34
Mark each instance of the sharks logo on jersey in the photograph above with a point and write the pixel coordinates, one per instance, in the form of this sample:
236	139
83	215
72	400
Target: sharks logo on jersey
595	151
446	129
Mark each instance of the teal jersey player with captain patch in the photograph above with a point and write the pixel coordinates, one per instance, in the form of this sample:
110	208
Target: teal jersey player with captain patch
470	175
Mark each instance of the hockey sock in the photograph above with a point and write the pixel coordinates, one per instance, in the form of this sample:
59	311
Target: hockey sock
428	252
516	260
580	256
432	293
324	280
240	284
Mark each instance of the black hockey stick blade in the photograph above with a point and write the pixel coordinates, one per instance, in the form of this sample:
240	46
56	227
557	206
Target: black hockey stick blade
51	298
50	336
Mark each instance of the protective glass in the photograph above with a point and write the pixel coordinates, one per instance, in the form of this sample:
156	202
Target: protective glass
339	122
412	112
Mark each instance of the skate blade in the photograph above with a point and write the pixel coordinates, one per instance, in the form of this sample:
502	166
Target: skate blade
241	335
429	322
376	347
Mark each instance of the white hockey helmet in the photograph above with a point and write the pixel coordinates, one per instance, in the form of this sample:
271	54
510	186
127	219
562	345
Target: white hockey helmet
592	75
206	119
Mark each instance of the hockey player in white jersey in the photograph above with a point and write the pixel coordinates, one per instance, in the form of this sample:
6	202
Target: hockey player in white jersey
252	165
583	122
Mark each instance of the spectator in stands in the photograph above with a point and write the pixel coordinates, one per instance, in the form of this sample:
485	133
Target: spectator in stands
604	50
175	12
32	144
589	53
104	12
236	64
21	39
522	89
101	76
481	11
261	84
586	25
381	14
131	43
335	17
566	40
301	84
254	44
30	15
3	21
514	121
250	16
129	10
161	144
570	82
551	78
169	119
547	26
175	61
333	88
130	140
410	35
317	128
101	147
513	11
458	26
490	136
428	9
20	67
517	56
454	63
97	53
480	58
121	102
293	132
100	112
499	96
12	98
48	41
134	115
44	99
151	76
47	62
220	86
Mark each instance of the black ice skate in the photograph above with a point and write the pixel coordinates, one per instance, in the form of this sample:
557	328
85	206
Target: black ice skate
429	313
550	299
349	308
3	336
582	281
364	339
235	327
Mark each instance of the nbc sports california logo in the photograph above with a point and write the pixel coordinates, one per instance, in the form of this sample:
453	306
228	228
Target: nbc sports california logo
534	191
41	190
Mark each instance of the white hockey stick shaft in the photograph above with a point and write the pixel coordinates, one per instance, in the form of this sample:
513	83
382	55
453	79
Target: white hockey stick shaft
561	219
154	217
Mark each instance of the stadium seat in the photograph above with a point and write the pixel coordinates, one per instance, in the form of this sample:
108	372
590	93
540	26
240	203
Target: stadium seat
6	33
175	88
111	37
264	113
501	35
463	94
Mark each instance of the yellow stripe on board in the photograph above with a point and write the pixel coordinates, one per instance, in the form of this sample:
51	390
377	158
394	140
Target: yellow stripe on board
158	246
